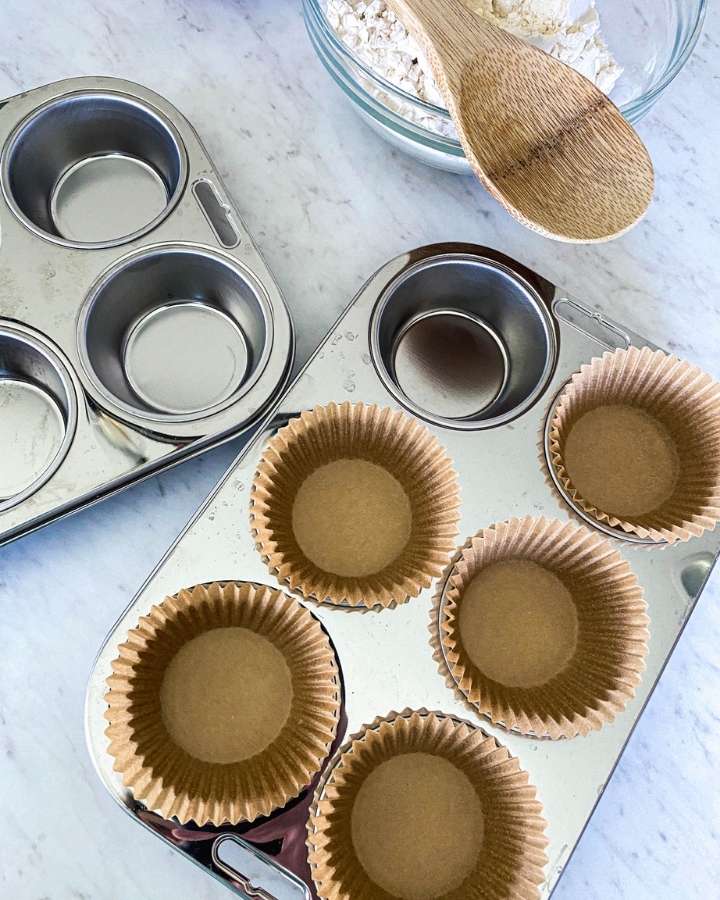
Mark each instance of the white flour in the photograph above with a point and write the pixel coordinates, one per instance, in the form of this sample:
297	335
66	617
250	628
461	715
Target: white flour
567	29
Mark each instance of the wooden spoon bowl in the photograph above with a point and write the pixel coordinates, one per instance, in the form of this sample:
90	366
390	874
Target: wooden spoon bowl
548	144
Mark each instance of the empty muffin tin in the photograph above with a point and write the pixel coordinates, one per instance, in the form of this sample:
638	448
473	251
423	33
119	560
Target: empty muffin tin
138	323
532	336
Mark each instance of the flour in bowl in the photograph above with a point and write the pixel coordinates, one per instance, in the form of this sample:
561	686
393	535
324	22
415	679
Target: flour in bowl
567	29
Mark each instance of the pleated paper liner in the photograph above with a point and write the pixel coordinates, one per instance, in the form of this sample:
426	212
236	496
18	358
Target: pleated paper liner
542	627
421	805
223	703
438	652
635	442
355	505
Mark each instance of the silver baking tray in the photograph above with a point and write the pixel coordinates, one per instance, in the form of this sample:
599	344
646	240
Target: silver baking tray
139	325
387	663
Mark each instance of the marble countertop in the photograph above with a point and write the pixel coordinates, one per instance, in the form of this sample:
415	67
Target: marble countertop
327	203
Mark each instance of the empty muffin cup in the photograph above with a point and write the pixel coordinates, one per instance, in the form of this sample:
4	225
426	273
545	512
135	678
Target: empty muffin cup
175	333
223	703
38	413
93	169
543	627
420	806
355	505
463	341
634	444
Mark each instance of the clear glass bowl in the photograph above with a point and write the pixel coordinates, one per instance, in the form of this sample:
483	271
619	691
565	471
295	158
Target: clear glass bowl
652	41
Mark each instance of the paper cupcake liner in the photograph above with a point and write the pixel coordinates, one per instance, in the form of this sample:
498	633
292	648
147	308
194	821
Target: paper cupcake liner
438	653
609	659
511	858
686	401
400	445
622	540
167	779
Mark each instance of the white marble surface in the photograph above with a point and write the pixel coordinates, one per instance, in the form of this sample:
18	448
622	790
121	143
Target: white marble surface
327	203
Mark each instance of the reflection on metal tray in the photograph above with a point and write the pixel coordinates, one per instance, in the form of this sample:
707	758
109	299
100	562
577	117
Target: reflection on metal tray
385	656
138	323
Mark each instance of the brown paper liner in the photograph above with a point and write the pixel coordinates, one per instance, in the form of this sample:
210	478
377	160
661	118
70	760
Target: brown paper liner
686	401
166	778
609	658
404	448
511	858
436	644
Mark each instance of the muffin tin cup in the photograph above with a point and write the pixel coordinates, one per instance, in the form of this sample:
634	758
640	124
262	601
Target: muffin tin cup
38	412
684	401
464	342
385	658
122	250
603	668
510	857
394	444
175	333
92	169
202	773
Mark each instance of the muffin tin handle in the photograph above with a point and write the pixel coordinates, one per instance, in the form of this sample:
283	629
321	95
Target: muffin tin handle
592	324
218	214
258	877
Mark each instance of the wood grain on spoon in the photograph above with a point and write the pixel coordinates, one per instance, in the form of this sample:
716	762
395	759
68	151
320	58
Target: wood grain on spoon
542	138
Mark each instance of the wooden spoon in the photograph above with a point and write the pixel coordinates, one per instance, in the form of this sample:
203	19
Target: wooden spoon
543	139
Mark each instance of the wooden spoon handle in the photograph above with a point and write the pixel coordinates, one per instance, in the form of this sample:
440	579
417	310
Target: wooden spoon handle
441	27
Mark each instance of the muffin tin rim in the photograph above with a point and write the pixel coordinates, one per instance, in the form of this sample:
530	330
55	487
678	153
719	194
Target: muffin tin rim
116	269
12	139
46	348
543	307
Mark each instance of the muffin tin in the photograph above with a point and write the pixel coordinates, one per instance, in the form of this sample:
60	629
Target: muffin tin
498	450
138	323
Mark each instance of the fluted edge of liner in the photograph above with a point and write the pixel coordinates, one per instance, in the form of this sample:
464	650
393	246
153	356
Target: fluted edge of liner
168	780
686	400
511	864
405	448
602	677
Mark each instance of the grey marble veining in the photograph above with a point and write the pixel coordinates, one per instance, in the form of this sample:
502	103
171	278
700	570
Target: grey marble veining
327	203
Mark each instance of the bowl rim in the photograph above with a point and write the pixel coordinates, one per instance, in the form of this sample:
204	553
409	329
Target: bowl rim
628	109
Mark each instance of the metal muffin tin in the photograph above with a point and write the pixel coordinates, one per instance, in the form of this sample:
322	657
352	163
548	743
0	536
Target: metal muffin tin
139	325
386	659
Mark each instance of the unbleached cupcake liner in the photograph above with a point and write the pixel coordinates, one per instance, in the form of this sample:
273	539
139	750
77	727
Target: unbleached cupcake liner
167	779
436	645
511	856
404	448
609	659
686	401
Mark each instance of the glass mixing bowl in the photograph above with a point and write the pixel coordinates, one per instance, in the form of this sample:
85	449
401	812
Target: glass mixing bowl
652	41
